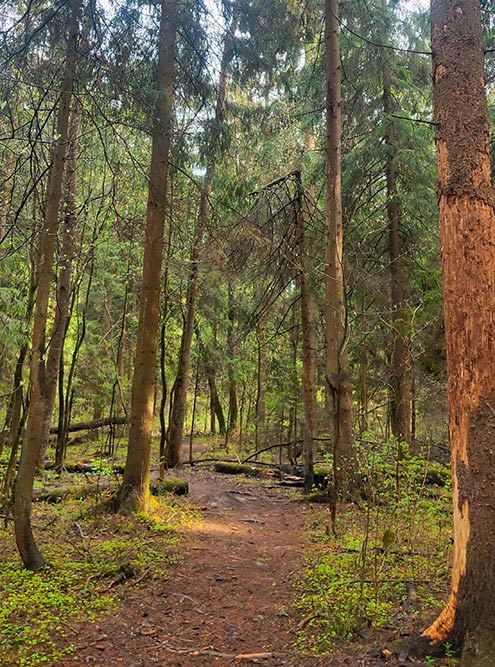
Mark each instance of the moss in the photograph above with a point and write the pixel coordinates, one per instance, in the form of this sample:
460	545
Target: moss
317	497
179	487
229	468
437	475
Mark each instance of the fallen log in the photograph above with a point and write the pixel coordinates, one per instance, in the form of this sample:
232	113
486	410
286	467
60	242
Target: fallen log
92	424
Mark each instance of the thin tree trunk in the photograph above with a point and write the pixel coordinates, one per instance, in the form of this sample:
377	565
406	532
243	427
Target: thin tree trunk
179	390
193	416
293	434
363	389
62	316
260	406
401	325
163	375
231	354
308	343
26	544
134	493
467	225
338	384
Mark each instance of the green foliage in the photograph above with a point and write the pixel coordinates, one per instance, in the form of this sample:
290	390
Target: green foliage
389	558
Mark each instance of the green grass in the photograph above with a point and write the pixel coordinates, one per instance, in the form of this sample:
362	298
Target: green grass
90	559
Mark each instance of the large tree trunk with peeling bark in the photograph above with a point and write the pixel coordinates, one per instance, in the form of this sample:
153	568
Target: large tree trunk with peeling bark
38	395
338	384
467	222
179	391
135	493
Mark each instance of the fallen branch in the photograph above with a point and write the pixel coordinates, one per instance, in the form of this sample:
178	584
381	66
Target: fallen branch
228	656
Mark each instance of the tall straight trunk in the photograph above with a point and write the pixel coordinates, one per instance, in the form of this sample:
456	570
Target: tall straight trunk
135	493
467	226
401	325
66	394
260	406
338	384
293	449
61	321
179	390
308	343
231	354
38	397
163	375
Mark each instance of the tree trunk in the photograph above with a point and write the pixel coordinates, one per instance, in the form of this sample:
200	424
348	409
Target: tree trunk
231	353
401	325
338	384
163	375
38	397
179	390
15	419
135	493
467	224
260	406
308	344
363	387
65	397
61	321
216	412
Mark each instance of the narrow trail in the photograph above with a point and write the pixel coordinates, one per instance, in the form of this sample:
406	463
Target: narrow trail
229	596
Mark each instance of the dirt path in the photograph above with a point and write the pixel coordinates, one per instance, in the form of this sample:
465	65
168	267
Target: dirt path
229	596
229	600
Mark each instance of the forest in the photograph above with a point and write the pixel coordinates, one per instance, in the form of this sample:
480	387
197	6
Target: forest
247	284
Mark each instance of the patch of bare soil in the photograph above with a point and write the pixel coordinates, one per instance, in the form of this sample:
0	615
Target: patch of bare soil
228	601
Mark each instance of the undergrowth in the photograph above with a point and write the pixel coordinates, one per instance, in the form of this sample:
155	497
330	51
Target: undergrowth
91	557
387	565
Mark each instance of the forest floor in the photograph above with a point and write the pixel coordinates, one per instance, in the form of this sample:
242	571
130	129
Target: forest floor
229	600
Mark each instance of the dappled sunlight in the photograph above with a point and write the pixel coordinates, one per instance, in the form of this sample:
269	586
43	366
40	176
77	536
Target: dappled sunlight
217	528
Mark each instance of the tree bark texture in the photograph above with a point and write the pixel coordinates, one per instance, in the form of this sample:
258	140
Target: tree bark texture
179	391
38	395
135	492
467	224
338	384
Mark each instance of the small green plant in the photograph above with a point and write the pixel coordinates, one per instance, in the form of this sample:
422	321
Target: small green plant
390	554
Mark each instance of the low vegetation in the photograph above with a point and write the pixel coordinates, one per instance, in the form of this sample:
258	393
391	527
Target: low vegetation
91	557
